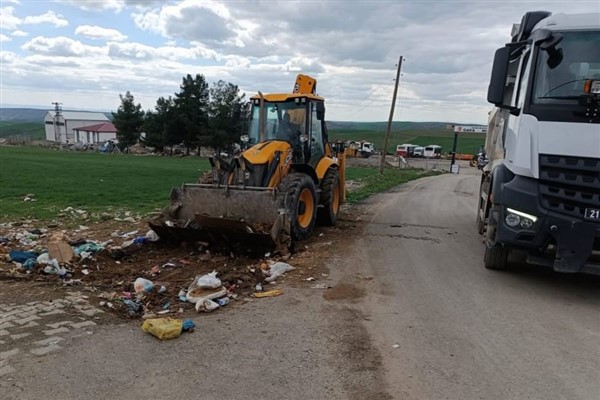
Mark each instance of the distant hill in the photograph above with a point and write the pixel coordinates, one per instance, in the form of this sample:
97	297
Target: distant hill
381	126
28	114
21	115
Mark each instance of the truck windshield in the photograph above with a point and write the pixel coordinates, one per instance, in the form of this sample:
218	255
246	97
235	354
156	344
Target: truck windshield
284	121
580	62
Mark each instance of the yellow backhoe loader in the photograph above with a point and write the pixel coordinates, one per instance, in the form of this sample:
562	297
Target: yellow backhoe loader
288	178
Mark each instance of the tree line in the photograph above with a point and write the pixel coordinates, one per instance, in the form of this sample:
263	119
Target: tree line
198	115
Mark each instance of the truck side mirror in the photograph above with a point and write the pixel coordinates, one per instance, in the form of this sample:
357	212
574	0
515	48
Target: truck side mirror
498	79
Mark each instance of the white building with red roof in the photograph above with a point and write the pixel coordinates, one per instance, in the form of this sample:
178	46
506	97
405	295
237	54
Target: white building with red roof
61	125
98	133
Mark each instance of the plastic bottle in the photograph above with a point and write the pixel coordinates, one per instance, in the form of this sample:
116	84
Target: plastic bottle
223	301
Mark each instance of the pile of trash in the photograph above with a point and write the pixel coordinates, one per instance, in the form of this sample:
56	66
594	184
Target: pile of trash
132	275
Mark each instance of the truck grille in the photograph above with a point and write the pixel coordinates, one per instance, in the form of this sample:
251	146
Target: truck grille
569	185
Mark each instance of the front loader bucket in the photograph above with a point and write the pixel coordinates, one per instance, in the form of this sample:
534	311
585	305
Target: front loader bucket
243	219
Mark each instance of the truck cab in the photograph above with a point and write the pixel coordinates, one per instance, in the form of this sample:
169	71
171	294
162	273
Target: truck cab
540	192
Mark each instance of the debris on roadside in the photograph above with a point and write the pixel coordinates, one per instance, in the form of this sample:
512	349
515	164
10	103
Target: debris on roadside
278	269
269	293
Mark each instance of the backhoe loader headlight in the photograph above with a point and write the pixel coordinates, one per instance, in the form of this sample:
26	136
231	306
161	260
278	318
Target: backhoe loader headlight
304	138
245	138
516	218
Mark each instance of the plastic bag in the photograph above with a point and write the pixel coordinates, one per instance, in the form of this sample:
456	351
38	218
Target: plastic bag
208	281
152	236
143	285
163	328
278	269
22	256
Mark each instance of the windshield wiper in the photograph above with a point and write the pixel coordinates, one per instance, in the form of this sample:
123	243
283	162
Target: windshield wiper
561	97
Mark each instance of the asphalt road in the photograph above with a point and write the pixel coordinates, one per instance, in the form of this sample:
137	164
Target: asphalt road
412	314
461	331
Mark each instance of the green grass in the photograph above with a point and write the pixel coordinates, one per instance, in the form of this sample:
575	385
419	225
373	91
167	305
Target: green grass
35	131
91	181
100	183
374	182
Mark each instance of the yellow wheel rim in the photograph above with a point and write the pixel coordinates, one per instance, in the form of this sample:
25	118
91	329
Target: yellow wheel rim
336	199
306	198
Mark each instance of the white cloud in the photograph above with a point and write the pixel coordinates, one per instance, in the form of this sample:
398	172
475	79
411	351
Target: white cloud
49	17
96	5
4	38
206	21
99	33
60	46
7	19
19	33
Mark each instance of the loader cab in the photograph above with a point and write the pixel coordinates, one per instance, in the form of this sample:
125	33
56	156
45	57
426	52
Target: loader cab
297	119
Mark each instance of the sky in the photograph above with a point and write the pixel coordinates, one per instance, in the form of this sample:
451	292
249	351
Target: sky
85	53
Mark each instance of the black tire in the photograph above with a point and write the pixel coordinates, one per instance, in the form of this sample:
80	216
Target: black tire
496	257
329	198
294	188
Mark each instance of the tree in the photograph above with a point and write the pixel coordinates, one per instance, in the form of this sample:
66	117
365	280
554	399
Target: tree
191	107
128	120
224	112
163	126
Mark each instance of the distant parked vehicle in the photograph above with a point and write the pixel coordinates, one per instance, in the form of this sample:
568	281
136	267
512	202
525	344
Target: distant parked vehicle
432	151
405	150
418	152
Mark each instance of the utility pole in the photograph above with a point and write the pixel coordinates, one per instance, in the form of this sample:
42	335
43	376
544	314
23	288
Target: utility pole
389	126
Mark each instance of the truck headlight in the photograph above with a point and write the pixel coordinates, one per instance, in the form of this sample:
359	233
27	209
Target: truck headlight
515	218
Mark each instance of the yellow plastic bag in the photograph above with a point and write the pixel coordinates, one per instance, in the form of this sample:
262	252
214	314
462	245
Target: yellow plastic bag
163	328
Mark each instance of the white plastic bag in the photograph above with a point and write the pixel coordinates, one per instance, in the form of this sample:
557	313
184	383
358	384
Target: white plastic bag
143	285
206	305
208	281
278	269
152	236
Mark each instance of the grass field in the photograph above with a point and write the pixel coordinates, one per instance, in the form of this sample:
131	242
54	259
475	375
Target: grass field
35	131
100	183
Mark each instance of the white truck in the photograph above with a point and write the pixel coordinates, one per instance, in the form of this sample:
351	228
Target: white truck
540	192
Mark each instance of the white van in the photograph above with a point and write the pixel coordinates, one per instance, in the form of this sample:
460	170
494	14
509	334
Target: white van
432	151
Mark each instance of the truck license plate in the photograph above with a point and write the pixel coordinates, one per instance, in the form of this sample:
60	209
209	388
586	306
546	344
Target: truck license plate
592	214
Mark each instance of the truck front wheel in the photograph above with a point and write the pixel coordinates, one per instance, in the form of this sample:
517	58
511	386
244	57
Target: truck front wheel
496	257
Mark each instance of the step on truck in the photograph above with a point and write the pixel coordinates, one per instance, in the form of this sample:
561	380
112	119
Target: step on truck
540	191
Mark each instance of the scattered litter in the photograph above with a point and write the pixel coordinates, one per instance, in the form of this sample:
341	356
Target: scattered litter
188	325
182	295
310	279
85	272
140	240
143	285
152	236
278	269
163	312
396	346
222	301
163	328
132	306
22	256
206	305
258	287
321	234
320	286
198	294
61	251
208	281
89	247
149	316
269	293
